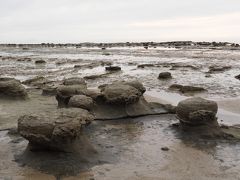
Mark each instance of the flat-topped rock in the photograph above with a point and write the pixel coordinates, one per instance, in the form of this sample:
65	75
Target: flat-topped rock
54	130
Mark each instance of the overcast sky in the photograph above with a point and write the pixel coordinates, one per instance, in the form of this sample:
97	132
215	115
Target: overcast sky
60	21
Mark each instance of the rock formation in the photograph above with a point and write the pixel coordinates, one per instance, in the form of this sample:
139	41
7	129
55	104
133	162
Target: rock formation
12	89
54	130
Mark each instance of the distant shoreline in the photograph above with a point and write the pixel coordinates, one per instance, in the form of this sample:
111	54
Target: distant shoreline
146	45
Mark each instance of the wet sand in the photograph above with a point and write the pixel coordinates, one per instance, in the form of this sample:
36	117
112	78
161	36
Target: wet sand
126	148
120	149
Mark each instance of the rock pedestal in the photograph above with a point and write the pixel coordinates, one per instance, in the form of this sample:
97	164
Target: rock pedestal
54	130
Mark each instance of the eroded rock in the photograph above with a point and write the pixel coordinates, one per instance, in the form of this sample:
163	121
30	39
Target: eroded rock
81	101
165	75
120	93
196	111
64	93
49	91
187	89
54	130
12	88
113	68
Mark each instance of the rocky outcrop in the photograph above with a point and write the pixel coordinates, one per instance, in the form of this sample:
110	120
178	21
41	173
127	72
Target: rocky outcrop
120	99
54	130
123	99
12	89
165	75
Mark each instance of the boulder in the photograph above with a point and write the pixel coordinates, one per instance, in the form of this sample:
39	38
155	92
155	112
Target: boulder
40	62
196	111
12	88
81	101
120	93
113	68
64	93
54	130
165	75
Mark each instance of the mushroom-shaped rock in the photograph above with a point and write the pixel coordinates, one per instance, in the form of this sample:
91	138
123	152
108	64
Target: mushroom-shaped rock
74	81
12	88
81	101
54	130
196	111
165	75
119	93
123	99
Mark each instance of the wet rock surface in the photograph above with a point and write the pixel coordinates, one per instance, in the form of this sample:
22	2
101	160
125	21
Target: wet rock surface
40	62
12	89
